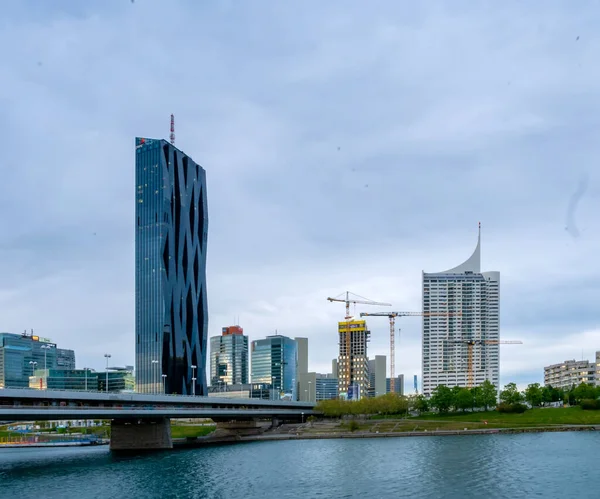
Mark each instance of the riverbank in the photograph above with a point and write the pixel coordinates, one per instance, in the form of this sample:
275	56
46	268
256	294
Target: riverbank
73	443
312	432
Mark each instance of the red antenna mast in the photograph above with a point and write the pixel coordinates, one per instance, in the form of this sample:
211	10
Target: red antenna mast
172	136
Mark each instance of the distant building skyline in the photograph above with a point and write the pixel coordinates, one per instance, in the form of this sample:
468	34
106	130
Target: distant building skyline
171	308
460	305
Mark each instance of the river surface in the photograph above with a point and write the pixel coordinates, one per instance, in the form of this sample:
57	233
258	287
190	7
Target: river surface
549	465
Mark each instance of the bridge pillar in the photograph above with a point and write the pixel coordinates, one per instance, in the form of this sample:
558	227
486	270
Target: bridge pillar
140	434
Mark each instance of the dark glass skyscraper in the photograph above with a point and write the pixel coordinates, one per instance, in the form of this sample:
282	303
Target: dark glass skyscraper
171	311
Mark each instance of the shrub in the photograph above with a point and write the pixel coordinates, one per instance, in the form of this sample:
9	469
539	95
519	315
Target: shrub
590	404
511	408
353	426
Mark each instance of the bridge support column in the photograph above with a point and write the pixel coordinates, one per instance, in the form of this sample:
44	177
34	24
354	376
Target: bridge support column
140	434
275	422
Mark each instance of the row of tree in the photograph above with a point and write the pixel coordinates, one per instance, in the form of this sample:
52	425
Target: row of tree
445	399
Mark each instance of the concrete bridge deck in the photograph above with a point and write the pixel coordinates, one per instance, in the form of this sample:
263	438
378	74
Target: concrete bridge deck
142	421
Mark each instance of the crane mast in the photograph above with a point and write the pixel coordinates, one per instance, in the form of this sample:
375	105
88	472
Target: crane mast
347	300
392	317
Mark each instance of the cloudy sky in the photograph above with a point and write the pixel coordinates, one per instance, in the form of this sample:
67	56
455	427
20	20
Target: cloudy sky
348	145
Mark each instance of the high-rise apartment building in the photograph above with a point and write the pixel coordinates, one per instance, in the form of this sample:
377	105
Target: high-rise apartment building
377	376
572	373
353	367
275	362
22	354
461	305
171	316
229	357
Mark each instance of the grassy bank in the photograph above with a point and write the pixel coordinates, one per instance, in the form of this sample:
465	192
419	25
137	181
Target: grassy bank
190	431
532	417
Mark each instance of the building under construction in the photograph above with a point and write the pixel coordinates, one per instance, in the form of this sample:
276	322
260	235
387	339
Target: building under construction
353	364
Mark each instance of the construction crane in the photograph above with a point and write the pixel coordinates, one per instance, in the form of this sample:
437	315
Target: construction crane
470	344
348	300
392	317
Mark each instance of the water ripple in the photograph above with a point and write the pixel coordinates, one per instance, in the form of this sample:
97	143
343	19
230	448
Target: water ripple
494	466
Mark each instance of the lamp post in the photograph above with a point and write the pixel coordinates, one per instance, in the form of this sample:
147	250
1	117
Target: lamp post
193	380
32	363
309	392
154	370
45	348
107	356
85	371
164	376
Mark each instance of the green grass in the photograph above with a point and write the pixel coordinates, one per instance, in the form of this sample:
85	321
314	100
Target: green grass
532	417
189	431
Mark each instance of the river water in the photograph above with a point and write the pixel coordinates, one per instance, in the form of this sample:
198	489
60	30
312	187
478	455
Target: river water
549	465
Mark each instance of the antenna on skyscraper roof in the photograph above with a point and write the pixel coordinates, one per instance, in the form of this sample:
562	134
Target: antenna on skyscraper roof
172	136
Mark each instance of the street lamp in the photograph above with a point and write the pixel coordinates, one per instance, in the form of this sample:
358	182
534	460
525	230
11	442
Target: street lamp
164	376
32	363
45	348
107	356
154	370
85	372
193	380
309	392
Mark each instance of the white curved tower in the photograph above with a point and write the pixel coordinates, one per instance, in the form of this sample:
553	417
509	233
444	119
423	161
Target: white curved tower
459	305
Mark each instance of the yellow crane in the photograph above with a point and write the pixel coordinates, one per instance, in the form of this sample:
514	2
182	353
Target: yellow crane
347	299
470	344
392	317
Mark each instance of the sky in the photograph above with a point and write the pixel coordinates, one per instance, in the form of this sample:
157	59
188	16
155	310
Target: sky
348	145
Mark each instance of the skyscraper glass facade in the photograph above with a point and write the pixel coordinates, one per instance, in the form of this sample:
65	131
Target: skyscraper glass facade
275	361
22	354
171	310
229	357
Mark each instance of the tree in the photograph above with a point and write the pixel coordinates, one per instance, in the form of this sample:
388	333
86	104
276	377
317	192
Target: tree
547	394
455	391
533	394
488	395
421	404
442	399
584	391
463	399
510	394
477	396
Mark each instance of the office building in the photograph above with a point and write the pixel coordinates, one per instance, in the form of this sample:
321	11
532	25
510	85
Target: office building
353	367
120	379
229	357
572	373
314	387
302	355
398	385
302	363
461	305
223	390
171	315
22	354
377	377
275	362
64	379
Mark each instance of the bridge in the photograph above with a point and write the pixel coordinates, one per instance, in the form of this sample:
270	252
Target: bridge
143	421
